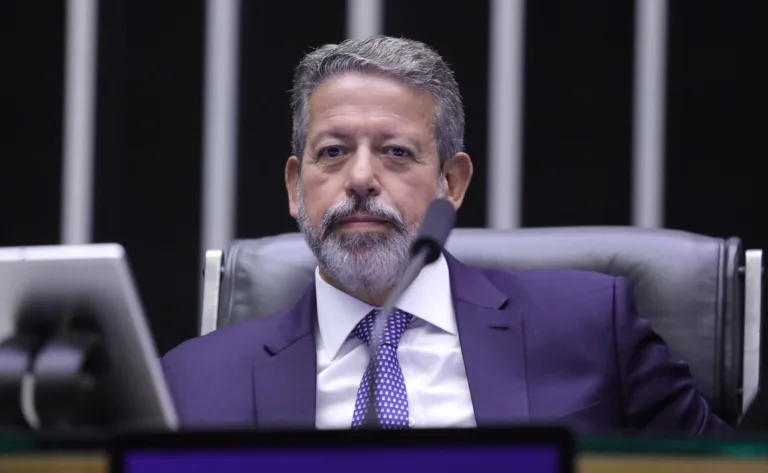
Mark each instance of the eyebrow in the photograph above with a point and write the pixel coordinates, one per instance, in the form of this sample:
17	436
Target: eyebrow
384	136
328	134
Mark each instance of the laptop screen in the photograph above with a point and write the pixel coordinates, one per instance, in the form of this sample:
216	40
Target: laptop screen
460	452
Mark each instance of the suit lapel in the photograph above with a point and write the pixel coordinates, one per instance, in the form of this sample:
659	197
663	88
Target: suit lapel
492	344
285	384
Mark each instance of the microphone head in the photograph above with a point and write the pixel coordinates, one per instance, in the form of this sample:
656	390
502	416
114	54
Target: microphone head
434	230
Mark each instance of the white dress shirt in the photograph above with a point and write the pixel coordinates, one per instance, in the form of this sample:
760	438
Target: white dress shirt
429	354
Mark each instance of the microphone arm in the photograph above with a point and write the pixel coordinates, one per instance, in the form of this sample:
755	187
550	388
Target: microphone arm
433	232
418	262
411	273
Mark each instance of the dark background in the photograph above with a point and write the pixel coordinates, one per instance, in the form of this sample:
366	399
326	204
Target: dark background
577	137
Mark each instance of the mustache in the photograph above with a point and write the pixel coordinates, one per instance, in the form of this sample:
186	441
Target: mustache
366	205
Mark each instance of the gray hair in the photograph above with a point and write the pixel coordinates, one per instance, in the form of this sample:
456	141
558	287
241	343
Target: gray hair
411	62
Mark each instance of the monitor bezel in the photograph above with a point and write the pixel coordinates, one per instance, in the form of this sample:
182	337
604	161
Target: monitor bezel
238	440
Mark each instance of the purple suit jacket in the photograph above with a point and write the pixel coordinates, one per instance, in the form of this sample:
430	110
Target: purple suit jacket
555	346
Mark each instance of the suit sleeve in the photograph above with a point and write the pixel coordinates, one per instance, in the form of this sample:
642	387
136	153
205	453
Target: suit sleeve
658	392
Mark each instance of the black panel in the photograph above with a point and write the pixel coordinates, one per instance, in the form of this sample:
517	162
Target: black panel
31	117
149	153
716	119
578	112
275	36
458	31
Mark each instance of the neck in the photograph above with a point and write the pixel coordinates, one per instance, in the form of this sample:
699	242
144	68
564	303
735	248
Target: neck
374	298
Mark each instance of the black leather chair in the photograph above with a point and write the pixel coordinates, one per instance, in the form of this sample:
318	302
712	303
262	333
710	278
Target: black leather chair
701	294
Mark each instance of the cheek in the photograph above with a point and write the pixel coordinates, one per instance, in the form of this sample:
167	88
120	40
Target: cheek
413	199
318	198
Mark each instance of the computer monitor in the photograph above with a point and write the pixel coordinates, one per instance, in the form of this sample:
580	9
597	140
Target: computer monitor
524	449
51	280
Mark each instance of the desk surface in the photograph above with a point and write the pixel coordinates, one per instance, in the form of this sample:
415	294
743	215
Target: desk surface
20	454
55	463
644	464
98	463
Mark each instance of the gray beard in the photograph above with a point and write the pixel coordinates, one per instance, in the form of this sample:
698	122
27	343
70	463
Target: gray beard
369	262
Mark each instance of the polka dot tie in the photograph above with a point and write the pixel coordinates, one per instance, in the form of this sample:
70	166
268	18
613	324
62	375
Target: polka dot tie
383	374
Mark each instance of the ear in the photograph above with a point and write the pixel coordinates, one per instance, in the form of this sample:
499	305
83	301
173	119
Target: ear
292	175
457	172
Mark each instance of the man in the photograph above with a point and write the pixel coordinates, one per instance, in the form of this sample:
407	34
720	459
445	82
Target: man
377	135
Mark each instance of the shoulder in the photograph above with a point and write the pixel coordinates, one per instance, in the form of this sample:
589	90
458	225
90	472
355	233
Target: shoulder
546	283
210	377
240	343
571	301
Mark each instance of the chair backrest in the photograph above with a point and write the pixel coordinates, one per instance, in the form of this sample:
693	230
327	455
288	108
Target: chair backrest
688	286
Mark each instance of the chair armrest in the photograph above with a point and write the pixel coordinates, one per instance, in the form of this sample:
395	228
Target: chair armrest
753	284
211	288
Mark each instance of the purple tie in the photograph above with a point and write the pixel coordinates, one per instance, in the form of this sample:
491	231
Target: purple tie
384	374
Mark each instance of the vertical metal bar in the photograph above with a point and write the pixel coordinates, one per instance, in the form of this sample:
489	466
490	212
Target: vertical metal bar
649	113
79	110
364	18
505	120
220	123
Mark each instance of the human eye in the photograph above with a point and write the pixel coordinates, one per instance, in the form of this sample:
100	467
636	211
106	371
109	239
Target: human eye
398	152
331	152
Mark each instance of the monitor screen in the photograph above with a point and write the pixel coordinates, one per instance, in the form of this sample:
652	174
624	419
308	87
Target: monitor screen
460	452
390	460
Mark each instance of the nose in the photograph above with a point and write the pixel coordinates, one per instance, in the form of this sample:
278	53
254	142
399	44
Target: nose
362	180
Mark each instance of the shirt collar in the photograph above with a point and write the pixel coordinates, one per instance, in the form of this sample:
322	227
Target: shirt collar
428	298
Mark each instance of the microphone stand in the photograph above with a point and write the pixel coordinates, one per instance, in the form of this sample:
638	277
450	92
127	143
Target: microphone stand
434	230
418	262
16	358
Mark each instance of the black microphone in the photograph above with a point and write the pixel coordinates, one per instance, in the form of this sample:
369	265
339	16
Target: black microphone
434	230
426	249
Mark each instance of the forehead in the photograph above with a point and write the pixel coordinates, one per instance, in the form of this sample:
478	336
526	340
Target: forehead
370	101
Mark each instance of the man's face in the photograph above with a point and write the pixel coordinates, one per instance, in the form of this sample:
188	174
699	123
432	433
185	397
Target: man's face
369	137
369	171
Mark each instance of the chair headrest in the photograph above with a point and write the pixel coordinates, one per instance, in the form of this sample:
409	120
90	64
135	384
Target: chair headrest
656	262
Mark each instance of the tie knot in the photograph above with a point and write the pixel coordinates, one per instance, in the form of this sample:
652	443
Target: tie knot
396	325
